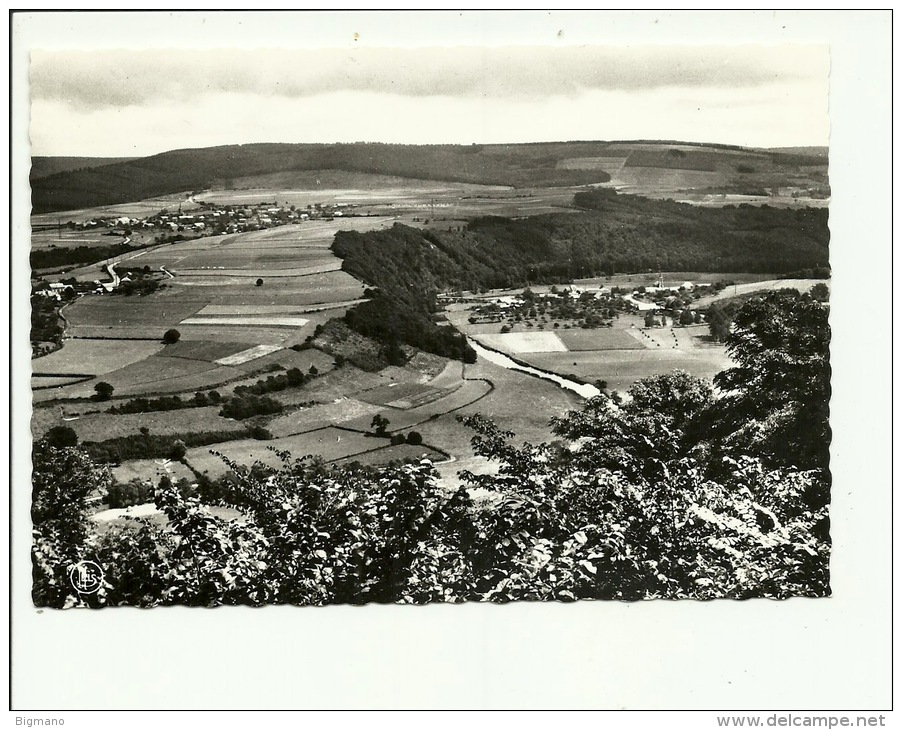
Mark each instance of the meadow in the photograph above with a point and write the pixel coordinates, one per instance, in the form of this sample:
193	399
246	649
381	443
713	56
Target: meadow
154	469
330	443
103	426
93	357
62	237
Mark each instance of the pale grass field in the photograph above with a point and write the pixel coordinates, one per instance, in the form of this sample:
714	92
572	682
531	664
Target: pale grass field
96	357
523	342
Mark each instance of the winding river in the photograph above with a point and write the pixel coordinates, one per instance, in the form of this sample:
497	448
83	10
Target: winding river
493	356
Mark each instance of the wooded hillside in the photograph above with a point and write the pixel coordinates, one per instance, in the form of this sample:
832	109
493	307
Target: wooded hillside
185	170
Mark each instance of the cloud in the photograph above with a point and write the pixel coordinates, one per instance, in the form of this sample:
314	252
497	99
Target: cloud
103	79
784	114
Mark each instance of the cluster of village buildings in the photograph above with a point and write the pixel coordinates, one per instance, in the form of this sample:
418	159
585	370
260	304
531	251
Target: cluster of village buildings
209	219
649	299
214	219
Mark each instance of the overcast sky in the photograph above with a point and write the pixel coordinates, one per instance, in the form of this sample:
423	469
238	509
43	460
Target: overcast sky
129	103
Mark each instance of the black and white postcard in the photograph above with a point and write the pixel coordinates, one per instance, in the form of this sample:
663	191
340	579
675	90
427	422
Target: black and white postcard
373	325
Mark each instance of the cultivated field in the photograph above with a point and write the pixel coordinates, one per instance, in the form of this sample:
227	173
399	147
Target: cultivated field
402	395
154	375
287	359
623	368
93	357
228	323
153	469
311	418
39	382
471	391
803	285
519	342
515	401
207	351
620	355
330	443
401	452
137	209
65	238
258	321
599	339
161	311
103	426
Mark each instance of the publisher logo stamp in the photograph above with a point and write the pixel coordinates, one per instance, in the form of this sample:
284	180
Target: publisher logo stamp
86	576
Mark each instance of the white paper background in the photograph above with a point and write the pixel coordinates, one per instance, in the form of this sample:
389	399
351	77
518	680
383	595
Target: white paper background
812	654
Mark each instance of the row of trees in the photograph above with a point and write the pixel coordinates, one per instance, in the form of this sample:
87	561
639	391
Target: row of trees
49	258
673	492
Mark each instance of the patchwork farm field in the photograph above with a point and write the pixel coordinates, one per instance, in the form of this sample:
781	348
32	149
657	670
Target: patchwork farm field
154	469
563	340
328	187
402	395
220	309
619	355
606	338
470	392
156	374
93	357
515	401
262	320
803	285
387	454
266	255
232	328
623	368
519	342
66	238
103	426
330	443
207	351
39	382
162	310
330	287
523	403
321	415
251	310
303	360
343	382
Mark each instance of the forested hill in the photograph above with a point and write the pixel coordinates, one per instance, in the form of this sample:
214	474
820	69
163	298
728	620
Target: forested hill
196	169
616	233
45	166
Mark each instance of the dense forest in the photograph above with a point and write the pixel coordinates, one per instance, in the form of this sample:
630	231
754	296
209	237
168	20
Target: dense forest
614	234
44	166
674	492
409	273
